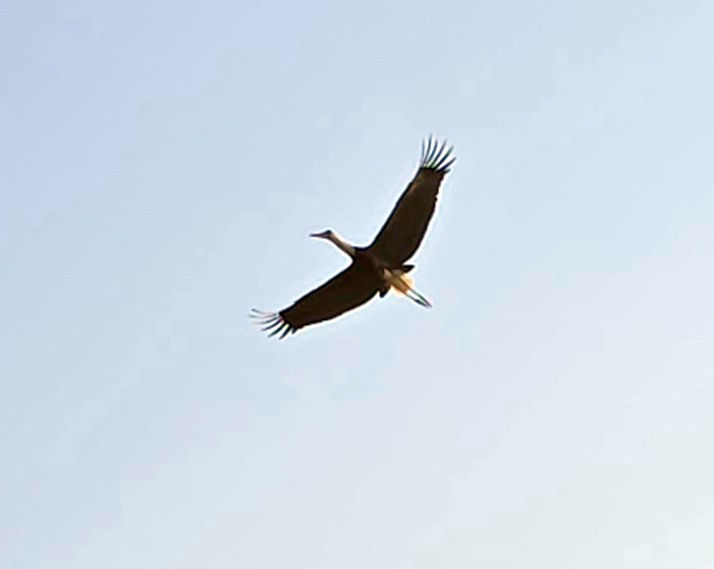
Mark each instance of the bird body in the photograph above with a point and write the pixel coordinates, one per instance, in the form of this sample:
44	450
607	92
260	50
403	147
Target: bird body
380	266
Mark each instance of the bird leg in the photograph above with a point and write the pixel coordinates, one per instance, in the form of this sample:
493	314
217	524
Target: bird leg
402	283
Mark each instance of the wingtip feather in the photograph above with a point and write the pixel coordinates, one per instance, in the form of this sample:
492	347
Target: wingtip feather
273	323
435	156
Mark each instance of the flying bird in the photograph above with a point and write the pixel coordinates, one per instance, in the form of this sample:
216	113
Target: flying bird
379	266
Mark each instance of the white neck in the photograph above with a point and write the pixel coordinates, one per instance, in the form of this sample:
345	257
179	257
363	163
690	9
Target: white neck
346	247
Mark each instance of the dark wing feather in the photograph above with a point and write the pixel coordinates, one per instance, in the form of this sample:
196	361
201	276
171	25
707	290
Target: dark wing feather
347	290
404	230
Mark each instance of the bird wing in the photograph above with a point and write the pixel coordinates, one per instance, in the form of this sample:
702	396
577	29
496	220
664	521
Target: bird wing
347	290
404	230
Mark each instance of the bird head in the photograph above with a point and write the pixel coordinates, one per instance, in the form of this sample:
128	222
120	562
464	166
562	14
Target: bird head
323	235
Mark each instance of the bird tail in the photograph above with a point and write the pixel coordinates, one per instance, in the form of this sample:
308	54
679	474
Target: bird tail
404	284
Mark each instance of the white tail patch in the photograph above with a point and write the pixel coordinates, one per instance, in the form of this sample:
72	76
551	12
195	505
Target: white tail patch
403	283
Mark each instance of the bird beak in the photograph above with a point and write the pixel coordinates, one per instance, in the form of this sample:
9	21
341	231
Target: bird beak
317	234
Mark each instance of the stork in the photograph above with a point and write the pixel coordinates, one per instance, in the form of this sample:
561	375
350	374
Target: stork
380	266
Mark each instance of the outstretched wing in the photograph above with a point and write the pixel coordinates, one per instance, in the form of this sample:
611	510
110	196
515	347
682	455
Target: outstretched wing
347	290
404	230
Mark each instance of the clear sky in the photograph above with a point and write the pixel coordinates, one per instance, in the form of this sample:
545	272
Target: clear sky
161	165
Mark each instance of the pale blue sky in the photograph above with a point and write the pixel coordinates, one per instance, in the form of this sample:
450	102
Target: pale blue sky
161	165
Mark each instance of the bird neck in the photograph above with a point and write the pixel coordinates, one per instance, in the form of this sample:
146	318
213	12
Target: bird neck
342	245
